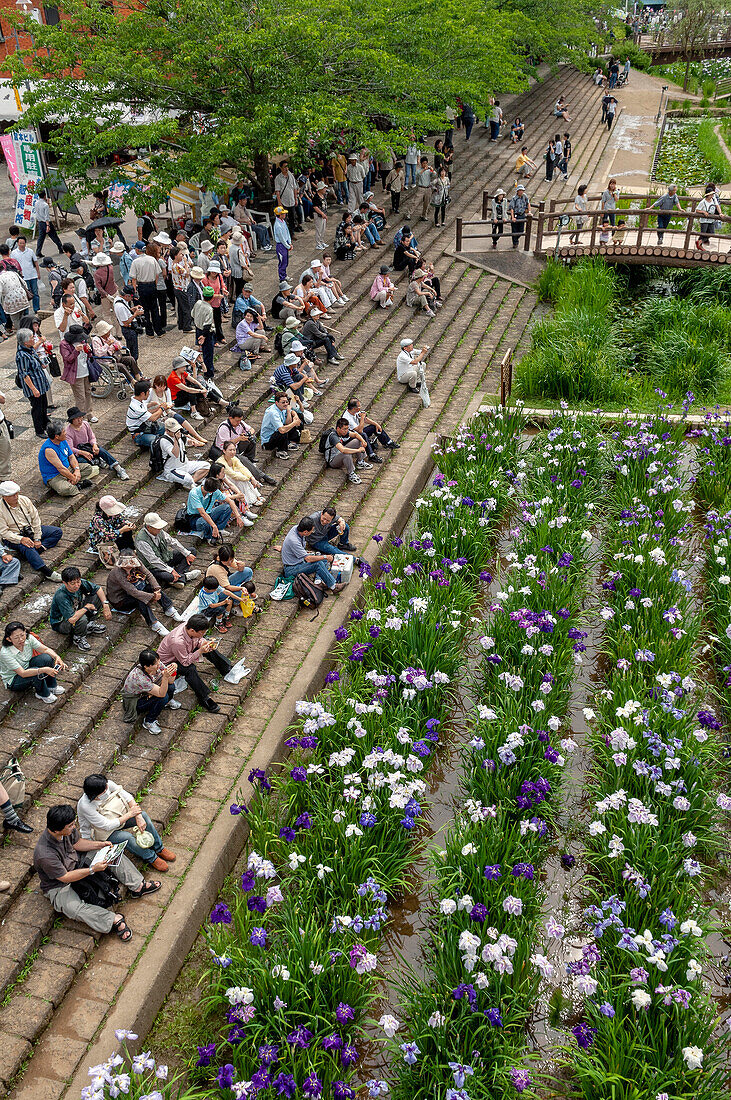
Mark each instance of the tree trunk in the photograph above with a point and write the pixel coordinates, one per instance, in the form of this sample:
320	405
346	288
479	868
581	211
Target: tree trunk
263	175
685	78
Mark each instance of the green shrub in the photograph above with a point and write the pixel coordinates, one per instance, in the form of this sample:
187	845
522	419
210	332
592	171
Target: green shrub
592	287
551	282
709	87
574	355
682	361
710	147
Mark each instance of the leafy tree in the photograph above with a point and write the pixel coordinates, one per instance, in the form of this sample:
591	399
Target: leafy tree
206	83
691	30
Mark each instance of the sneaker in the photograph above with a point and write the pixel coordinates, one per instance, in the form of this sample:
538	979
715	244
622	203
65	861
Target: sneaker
377	459
192	574
293	446
121	472
96	628
247	522
354	478
282	454
252	515
174	614
363	465
58	690
325	382
393	445
81	643
93	419
85	483
195	415
348	546
178	584
174	705
160	629
272	480
342	300
47	698
430	313
211	705
151	727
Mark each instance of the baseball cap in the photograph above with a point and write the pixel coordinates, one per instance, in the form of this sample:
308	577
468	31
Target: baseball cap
152	519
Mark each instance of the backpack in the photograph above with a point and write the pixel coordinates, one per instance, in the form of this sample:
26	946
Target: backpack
100	889
276	307
278	343
157	459
308	594
236	316
322	446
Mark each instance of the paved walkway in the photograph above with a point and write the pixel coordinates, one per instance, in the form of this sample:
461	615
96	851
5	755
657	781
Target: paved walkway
59	984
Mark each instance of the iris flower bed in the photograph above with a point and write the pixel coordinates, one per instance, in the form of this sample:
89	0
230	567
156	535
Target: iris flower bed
468	1018
294	971
648	1022
294	954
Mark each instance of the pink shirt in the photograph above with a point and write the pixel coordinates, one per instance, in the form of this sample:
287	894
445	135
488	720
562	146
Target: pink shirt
179	646
76	436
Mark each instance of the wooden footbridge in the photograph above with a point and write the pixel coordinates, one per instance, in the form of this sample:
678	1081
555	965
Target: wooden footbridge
665	44
689	240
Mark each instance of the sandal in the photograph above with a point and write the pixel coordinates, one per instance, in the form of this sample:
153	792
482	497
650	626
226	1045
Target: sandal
147	888
123	930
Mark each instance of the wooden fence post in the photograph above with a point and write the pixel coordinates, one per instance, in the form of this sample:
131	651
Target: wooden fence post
458	245
485	205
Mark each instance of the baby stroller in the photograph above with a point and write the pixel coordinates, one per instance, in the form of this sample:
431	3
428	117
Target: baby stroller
106	374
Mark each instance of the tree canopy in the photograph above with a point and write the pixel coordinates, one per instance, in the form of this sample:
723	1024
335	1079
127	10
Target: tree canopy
206	83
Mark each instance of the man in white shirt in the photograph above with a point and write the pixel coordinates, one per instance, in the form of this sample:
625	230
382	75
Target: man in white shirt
143	425
30	270
70	312
409	363
285	187
179	469
126	312
425	176
370	431
46	228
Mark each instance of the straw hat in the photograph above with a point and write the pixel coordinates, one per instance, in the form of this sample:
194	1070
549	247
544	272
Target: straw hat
102	328
101	260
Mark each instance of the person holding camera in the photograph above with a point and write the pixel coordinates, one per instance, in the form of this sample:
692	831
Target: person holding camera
59	465
22	531
128	316
280	427
178	468
75	351
25	662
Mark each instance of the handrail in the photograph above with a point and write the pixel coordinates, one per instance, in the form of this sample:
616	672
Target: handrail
624	196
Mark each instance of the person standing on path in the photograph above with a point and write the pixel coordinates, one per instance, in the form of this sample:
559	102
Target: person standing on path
29	268
666	203
440	195
424	179
499	215
707	208
580	207
319	213
611	111
46	228
143	275
395	184
75	352
468	117
411	161
608	203
34	382
519	209
355	175
285	188
5	453
282	240
496	118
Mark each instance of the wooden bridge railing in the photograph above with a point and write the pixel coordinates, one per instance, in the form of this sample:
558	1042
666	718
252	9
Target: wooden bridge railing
678	242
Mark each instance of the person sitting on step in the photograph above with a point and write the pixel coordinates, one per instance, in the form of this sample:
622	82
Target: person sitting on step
63	861
75	606
107	811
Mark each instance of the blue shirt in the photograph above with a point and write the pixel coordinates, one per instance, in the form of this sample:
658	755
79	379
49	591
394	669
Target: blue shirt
281	232
205	599
198	499
246	301
272	421
63	451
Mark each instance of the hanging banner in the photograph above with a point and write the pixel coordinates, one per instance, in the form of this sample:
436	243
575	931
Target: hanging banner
24	166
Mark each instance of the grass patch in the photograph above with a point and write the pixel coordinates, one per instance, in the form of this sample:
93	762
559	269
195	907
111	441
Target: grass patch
601	347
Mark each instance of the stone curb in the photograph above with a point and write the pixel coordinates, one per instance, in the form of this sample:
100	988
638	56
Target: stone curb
146	989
